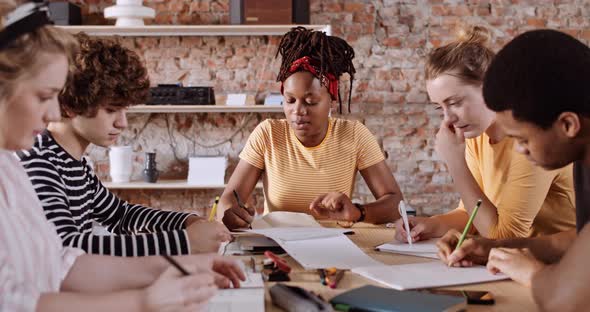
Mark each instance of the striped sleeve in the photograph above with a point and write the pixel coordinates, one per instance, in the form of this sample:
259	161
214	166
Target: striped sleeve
122	219
144	227
368	151
253	152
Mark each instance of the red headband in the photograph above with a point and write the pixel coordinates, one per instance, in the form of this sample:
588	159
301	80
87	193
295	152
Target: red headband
327	79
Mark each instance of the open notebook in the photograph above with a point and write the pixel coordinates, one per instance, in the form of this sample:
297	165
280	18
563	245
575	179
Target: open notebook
426	275
426	249
310	244
287	226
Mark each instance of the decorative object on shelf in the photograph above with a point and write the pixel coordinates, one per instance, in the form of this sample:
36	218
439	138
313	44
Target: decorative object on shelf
269	12
207	170
273	99
65	13
120	163
176	94
150	170
129	13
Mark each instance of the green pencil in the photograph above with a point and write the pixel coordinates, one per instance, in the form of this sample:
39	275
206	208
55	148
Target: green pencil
468	225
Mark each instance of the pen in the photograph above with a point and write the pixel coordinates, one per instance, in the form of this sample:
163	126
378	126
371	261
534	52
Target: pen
176	265
468	225
404	214
241	205
214	209
336	279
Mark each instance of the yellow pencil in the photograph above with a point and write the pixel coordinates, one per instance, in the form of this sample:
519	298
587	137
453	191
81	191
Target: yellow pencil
214	209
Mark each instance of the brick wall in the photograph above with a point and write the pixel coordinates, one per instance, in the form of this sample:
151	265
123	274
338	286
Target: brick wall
390	39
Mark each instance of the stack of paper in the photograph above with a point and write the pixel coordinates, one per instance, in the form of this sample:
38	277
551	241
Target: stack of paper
426	275
310	244
426	249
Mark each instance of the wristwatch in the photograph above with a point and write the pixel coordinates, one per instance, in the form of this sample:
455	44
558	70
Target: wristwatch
361	208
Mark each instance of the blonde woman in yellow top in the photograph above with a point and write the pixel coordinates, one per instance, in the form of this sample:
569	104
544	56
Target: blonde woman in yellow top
308	161
519	198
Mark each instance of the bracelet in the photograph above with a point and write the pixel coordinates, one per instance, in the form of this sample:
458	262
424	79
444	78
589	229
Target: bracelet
361	208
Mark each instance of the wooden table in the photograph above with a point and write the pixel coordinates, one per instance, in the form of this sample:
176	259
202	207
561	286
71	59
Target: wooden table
509	295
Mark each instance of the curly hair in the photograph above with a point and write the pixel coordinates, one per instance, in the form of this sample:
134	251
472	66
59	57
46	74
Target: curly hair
333	54
104	73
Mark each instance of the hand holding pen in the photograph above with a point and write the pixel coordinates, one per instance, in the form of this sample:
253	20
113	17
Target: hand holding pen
240	216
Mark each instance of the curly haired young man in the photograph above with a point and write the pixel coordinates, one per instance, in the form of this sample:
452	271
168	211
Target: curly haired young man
104	80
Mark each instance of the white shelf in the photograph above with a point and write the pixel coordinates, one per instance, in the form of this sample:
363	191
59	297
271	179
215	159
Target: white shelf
191	30
204	109
162	185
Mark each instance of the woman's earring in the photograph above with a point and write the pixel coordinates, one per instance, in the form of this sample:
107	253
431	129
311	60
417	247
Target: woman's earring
330	113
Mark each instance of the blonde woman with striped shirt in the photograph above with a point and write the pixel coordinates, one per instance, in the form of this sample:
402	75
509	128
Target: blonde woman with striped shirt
36	272
308	161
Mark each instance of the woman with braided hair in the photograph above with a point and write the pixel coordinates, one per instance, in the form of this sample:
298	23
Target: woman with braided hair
309	160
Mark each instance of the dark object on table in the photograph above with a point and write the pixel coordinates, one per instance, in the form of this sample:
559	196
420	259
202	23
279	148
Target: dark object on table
372	298
176	94
65	13
297	299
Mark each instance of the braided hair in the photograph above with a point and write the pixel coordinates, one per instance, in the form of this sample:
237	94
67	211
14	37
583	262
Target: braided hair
333	54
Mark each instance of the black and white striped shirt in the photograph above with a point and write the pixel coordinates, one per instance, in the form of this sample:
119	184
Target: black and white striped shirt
73	197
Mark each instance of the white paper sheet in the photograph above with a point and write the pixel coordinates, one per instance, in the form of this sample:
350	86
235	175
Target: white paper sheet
249	297
238	300
299	233
284	219
426	249
426	275
319	253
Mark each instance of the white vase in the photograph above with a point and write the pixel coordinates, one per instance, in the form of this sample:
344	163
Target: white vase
129	13
120	163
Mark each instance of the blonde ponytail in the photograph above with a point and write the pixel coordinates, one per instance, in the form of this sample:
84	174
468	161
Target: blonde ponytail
467	57
474	35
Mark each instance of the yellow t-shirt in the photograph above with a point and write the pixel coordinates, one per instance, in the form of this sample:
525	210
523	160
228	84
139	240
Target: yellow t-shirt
294	175
530	200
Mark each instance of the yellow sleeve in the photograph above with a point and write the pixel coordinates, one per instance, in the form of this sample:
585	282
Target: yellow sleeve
255	148
473	164
368	151
524	193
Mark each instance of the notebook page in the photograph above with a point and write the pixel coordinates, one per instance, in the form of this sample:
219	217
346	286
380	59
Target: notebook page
426	275
426	249
336	251
284	219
